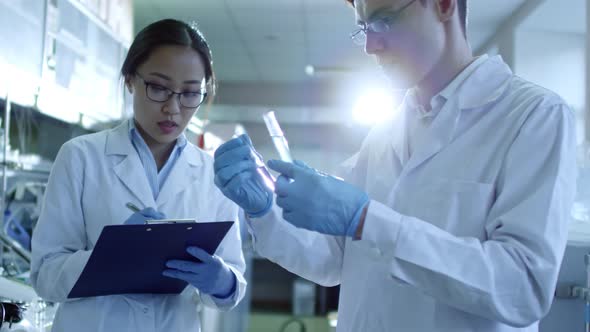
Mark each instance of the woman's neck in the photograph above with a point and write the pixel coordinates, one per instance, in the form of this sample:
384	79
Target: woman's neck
160	151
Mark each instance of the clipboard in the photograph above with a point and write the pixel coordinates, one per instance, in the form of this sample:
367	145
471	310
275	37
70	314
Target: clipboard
129	259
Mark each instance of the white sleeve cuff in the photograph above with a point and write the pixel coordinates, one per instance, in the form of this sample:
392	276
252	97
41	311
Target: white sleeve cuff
380	231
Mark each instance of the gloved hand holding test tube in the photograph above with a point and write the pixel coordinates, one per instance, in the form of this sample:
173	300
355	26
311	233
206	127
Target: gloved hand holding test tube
267	178
253	192
280	143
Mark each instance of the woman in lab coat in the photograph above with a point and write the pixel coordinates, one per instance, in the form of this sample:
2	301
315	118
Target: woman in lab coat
148	162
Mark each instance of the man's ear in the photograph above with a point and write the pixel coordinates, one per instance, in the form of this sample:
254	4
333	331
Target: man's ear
445	9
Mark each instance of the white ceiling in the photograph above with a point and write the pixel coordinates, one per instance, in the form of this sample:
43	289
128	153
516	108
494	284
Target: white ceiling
273	40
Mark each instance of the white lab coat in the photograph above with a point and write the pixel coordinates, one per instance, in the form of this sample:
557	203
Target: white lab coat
466	235
92	179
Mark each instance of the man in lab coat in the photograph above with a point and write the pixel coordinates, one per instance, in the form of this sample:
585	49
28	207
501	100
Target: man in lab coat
453	216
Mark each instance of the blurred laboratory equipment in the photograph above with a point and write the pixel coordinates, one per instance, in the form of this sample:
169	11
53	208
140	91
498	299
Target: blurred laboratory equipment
303	297
293	322
24	177
572	294
581	292
10	313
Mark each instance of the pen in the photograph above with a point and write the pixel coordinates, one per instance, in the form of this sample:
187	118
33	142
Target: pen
132	207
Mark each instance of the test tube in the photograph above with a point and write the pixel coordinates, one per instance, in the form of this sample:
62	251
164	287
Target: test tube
277	136
267	178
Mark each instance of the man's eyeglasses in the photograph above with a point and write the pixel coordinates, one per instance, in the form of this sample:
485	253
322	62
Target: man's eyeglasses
160	94
383	24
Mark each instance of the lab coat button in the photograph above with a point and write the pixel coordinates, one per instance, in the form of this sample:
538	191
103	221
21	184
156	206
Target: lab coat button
377	252
145	310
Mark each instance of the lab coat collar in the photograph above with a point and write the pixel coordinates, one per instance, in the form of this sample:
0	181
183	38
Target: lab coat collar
483	82
411	97
438	135
182	175
454	85
129	169
118	142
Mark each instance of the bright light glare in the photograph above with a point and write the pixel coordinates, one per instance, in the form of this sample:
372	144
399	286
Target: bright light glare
373	106
333	318
333	323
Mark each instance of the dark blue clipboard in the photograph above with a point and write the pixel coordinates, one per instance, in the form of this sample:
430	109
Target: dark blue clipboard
129	259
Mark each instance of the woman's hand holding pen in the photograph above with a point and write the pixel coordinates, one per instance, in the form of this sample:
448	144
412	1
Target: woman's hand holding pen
140	216
210	276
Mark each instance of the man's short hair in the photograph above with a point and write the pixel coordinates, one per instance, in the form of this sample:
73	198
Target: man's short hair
461	6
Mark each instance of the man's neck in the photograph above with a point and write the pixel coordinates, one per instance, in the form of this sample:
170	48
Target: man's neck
443	73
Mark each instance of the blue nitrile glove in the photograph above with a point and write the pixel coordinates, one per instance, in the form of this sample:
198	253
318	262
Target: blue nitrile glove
210	276
238	178
316	201
139	218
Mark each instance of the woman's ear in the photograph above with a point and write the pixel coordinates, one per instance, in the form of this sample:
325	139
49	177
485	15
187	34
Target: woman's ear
128	84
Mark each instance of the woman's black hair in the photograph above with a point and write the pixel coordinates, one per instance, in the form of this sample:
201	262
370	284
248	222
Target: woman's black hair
169	32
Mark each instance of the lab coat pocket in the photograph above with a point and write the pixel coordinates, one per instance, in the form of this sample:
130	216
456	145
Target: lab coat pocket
461	206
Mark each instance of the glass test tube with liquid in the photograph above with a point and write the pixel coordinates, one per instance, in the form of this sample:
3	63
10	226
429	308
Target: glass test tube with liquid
267	178
277	136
